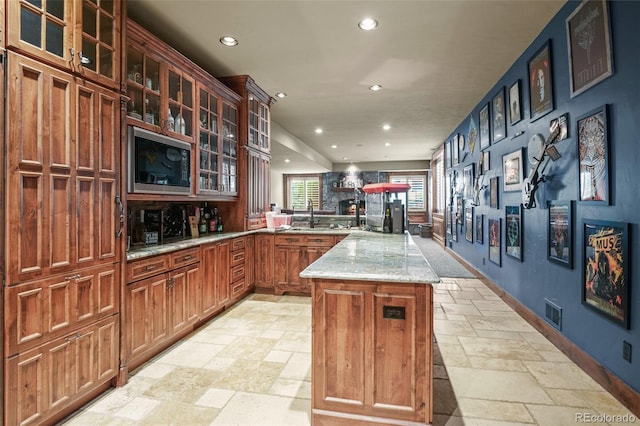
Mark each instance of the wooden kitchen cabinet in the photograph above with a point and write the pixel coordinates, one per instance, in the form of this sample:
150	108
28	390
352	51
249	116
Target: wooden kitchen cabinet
215	277
62	171
82	37
161	308
44	380
254	142
373	342
43	309
289	261
264	262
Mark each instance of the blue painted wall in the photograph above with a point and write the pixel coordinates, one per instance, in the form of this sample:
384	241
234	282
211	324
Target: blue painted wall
535	278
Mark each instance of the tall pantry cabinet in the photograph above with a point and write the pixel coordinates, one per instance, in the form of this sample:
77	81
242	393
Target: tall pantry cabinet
61	247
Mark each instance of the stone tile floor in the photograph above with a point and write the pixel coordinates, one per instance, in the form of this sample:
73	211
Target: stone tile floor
252	366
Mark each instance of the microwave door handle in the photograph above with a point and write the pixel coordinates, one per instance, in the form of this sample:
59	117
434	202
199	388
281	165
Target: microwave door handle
121	207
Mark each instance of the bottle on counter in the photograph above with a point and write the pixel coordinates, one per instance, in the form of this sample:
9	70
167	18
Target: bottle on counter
213	222
202	225
387	224
219	225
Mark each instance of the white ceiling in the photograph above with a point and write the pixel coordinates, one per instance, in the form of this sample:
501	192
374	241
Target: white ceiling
435	59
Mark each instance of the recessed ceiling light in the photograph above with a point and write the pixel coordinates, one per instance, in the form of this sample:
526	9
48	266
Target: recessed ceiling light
281	95
286	160
367	24
387	144
318	130
386	126
375	87
334	146
345	158
228	41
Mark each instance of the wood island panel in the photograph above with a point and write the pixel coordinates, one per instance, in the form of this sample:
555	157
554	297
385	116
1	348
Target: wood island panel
372	346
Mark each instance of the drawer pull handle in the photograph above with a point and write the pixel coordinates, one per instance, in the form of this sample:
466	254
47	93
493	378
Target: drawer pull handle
72	277
187	257
72	338
150	267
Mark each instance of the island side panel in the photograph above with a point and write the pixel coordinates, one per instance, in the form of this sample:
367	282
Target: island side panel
372	352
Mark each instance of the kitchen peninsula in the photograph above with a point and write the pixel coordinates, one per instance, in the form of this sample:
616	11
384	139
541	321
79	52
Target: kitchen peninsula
372	332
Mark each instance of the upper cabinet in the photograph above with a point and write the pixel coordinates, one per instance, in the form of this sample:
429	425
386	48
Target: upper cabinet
82	36
254	112
169	94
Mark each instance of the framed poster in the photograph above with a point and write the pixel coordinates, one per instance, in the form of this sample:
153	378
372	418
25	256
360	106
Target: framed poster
589	46
605	269
484	127
480	228
494	241
560	233
486	165
450	220
540	82
473	135
468	174
454	150
512	171
515	112
593	157
493	192
454	226
499	125
513	231
468	223
447	154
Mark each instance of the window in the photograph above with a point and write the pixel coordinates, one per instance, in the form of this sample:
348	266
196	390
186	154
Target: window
417	193
301	188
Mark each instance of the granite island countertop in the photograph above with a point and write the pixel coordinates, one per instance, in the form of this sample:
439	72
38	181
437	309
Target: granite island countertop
371	256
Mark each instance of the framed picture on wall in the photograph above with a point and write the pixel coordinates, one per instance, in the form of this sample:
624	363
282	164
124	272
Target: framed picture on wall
605	269
454	226
513	231
447	153
468	174
540	82
495	249
512	171
589	45
450	220
480	228
515	112
468	223
485	140
499	122
593	157
473	135
560	233
486	165
493	192
454	150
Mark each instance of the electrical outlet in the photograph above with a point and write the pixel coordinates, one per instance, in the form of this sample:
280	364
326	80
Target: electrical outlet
626	351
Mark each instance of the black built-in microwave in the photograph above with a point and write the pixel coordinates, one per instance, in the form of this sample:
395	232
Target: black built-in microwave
157	164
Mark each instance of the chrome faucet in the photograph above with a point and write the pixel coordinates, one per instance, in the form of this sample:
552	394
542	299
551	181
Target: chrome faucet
310	209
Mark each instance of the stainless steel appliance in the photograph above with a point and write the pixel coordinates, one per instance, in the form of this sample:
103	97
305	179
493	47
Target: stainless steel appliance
157	164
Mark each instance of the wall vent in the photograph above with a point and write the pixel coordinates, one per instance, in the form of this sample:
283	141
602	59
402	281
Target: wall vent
553	314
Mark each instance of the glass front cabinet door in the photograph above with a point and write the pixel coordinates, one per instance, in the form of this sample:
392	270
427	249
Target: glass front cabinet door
48	29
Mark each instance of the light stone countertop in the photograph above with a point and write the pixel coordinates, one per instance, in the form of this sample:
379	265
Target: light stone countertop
372	256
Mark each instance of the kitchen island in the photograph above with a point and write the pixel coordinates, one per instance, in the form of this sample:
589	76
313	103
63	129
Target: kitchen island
372	352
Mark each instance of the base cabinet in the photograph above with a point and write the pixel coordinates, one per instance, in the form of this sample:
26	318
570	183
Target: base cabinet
372	352
263	266
45	380
159	309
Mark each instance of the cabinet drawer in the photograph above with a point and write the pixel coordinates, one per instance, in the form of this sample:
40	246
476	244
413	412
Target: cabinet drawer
237	288
238	244
288	240
237	258
147	267
185	257
321	240
237	273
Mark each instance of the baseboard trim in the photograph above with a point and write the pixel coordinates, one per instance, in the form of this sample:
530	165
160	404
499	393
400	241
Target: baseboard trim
605	378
